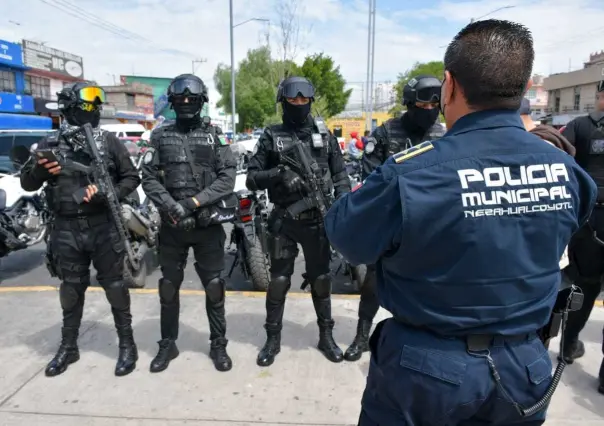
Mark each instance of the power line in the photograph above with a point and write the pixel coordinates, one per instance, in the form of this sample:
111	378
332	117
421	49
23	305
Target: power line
78	12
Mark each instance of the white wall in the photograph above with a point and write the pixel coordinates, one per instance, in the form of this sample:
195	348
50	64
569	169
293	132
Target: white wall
55	86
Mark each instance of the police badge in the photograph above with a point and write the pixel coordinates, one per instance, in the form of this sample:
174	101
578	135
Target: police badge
149	156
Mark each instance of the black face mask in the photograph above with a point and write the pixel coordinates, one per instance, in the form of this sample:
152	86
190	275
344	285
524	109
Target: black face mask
187	111
422	118
295	115
78	117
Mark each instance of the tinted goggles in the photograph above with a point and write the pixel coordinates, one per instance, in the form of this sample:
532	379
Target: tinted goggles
91	94
293	90
181	87
428	95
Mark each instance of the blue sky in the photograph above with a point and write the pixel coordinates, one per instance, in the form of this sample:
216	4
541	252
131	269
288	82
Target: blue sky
406	32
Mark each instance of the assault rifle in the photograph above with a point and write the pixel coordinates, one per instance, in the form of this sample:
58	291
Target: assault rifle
84	138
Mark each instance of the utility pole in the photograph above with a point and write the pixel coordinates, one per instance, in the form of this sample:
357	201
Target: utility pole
370	64
197	61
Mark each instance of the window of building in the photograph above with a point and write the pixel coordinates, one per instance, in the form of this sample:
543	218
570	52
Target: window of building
531	94
8	81
130	101
577	99
38	87
557	104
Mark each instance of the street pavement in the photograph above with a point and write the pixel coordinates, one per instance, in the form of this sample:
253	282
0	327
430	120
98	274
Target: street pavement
301	388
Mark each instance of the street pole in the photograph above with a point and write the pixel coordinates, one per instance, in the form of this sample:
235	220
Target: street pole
368	91
232	26
371	105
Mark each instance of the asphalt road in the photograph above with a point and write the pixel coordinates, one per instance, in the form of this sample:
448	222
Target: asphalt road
26	268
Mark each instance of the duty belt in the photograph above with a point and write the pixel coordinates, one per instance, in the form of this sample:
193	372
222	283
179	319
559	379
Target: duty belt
476	342
85	222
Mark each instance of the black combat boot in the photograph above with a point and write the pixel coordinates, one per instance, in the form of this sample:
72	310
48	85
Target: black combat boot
360	343
272	347
572	350
326	343
218	354
128	354
167	352
601	376
68	353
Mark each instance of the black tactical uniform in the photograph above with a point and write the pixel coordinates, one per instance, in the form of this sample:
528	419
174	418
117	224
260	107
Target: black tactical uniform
185	198
586	253
84	233
397	134
295	220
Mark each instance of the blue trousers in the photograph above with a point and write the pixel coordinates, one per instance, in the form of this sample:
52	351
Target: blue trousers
417	378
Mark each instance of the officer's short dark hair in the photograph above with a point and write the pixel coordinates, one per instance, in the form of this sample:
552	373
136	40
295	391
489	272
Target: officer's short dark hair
492	61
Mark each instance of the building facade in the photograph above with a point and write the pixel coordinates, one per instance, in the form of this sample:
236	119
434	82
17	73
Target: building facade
49	70
573	94
538	96
16	105
129	103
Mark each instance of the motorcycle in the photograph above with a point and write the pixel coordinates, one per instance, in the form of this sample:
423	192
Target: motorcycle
250	230
353	169
24	215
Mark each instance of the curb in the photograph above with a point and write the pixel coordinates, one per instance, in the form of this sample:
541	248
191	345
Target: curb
188	292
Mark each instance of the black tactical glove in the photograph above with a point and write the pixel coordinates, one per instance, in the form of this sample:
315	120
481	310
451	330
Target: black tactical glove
187	224
177	212
204	216
189	205
292	181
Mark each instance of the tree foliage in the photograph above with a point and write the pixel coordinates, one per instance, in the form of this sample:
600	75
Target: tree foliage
258	76
435	68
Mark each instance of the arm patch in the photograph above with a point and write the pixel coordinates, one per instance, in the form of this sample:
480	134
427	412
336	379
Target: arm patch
414	151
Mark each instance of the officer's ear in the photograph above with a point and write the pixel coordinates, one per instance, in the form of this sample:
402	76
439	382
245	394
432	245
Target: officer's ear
529	84
447	89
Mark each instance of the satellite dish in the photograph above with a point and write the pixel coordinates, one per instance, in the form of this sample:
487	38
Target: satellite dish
52	105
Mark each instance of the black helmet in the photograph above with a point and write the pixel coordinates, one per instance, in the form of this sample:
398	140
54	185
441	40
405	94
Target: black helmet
292	87
423	88
80	93
187	84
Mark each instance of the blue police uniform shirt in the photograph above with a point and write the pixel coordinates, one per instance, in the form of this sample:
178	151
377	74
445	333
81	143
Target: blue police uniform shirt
467	231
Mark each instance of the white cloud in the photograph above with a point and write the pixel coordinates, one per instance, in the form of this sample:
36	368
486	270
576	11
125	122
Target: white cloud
561	30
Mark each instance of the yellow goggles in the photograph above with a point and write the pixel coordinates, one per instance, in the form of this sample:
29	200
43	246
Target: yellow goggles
91	94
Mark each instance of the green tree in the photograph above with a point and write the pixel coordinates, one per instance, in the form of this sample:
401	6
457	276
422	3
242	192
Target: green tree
330	97
254	88
435	68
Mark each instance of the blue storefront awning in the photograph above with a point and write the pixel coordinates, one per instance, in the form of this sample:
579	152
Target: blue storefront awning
25	122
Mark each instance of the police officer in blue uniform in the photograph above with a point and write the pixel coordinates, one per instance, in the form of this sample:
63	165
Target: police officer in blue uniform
466	259
586	253
419	123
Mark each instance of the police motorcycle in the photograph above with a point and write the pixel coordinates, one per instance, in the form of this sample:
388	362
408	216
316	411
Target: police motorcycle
248	235
24	215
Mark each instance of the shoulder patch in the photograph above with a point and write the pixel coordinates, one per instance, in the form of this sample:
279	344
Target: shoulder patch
148	158
413	152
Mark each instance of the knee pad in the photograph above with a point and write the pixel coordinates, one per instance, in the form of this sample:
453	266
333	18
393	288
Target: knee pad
69	296
322	286
278	288
205	276
167	290
117	294
215	289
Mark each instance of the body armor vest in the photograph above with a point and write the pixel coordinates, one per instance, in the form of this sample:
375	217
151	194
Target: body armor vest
178	178
62	187
595	162
400	139
317	147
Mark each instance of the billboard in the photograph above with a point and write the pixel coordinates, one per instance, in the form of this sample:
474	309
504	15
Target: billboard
10	54
45	58
160	88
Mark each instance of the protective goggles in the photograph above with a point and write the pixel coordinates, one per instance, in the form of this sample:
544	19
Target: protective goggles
295	89
180	87
91	94
428	95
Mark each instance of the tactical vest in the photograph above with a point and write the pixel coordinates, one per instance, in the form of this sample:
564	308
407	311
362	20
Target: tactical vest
178	178
62	187
317	146
595	162
400	139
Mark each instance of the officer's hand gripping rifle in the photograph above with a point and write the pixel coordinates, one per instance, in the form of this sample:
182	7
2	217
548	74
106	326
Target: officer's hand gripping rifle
102	179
